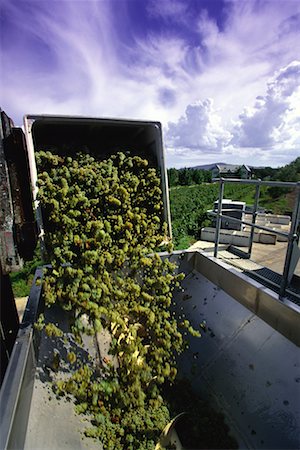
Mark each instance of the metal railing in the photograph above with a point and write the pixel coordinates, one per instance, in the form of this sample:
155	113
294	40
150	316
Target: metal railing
292	252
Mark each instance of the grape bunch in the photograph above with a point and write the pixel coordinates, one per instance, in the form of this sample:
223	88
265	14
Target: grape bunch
104	225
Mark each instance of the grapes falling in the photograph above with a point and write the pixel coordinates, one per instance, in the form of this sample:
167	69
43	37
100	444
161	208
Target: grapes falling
104	225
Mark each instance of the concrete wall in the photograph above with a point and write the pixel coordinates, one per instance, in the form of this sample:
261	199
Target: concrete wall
238	238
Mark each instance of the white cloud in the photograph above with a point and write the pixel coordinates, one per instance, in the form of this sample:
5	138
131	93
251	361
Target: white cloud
271	121
266	133
94	62
167	9
198	129
93	72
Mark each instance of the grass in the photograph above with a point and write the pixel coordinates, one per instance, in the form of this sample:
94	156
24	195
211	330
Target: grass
22	280
20	284
276	204
185	242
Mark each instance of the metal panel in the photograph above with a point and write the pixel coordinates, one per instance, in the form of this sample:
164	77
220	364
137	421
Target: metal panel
284	316
19	179
242	365
16	390
9	322
52	422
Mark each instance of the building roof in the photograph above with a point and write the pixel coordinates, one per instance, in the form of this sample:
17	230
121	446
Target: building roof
231	167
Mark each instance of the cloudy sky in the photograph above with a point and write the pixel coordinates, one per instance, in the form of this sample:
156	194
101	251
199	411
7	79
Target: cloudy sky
223	76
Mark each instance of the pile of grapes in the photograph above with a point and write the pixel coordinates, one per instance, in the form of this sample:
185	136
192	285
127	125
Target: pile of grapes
103	222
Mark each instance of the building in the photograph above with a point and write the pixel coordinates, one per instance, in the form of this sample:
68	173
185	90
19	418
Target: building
230	171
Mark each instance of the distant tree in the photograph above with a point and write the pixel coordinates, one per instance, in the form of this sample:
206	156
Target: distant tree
264	173
198	176
185	177
173	177
289	172
207	176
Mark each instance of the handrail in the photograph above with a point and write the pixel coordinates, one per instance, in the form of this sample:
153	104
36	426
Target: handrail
244	222
287	184
292	252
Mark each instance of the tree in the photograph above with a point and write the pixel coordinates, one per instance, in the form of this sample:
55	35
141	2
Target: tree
185	177
173	177
198	176
264	173
289	172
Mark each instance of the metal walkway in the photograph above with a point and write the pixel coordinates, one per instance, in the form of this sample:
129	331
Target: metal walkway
273	281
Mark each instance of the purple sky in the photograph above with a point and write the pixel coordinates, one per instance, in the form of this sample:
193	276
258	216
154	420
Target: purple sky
223	76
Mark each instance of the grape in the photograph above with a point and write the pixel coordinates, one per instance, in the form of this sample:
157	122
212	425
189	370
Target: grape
103	223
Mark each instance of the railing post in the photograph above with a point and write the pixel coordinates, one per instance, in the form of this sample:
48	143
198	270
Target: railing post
292	238
254	215
218	222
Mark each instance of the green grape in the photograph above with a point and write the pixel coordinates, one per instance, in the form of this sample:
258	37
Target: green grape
105	220
52	330
71	357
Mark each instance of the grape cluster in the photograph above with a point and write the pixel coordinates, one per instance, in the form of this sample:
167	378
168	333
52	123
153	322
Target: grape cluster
104	224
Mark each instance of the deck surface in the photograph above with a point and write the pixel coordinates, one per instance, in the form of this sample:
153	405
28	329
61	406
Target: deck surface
263	255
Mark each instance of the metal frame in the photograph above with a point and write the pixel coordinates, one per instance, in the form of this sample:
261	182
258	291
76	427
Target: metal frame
16	390
292	253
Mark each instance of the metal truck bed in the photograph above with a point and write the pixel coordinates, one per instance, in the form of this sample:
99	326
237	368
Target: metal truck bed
246	364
